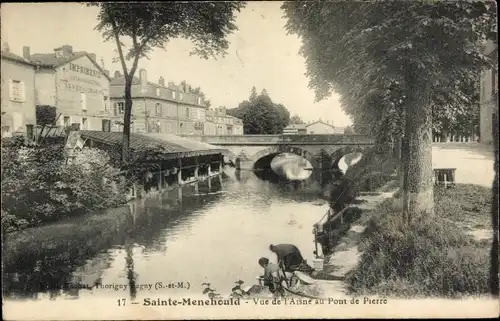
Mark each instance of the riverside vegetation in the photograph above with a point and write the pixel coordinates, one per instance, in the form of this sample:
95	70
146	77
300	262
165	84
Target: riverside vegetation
39	185
429	255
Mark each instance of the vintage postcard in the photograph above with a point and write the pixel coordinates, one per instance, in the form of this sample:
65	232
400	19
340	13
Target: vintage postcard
249	160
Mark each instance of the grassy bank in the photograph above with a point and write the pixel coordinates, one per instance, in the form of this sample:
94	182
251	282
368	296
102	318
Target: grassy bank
429	256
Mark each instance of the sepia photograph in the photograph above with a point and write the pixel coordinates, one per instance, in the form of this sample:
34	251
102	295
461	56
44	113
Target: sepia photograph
249	160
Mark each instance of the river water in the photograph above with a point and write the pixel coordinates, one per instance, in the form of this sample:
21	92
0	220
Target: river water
213	231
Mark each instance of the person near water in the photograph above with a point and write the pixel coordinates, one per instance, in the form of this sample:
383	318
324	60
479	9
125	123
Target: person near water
289	255
271	273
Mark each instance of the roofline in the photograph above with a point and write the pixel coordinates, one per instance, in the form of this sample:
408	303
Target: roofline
73	58
319	121
24	61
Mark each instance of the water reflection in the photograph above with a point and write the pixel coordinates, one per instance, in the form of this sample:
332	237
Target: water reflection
212	231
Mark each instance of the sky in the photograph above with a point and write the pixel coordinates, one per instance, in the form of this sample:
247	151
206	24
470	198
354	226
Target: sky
260	54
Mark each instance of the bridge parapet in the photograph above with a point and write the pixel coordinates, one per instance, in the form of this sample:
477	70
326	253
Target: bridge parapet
284	139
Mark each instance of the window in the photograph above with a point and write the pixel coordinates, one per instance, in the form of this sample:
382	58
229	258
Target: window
105	103
17	90
121	108
158	110
83	101
84	123
106	125
187	112
157	91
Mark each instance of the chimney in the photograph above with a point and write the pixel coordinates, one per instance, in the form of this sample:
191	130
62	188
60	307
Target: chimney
171	85
67	50
161	81
93	56
5	46
143	76
26	52
117	74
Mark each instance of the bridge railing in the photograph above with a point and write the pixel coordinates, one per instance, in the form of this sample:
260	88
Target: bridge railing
249	139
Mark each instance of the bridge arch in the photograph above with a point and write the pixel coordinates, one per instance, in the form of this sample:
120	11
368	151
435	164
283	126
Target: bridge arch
266	155
341	152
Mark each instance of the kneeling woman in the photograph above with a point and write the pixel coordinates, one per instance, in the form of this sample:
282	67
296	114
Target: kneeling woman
271	274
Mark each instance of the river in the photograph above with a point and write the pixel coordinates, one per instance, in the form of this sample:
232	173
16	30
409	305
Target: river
213	231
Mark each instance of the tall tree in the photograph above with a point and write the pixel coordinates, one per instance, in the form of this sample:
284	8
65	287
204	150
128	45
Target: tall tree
261	115
150	25
389	60
253	94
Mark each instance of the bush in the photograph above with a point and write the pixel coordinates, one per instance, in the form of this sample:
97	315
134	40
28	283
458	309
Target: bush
39	186
428	256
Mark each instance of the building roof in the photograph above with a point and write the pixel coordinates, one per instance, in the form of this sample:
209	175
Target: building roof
52	61
120	81
319	121
296	126
10	56
174	146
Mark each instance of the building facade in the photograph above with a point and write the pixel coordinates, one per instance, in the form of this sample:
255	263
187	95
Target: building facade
158	108
321	128
75	84
218	122
17	93
489	98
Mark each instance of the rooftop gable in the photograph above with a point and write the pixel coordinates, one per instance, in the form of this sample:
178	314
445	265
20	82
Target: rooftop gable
321	122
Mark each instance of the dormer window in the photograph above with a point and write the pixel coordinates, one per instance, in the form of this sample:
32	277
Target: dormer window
180	96
174	94
199	100
157	91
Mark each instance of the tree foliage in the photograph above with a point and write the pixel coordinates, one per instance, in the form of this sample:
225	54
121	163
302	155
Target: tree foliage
38	185
150	25
261	115
45	115
396	65
295	119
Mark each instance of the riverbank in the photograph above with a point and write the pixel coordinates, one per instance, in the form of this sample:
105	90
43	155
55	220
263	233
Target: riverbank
451	249
42	184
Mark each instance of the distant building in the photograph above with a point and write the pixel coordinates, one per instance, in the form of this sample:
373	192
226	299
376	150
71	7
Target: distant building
75	84
218	122
321	128
489	97
158	108
295	129
17	93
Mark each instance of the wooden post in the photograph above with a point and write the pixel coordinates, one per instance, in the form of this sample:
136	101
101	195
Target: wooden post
161	178
209	182
179	173
196	169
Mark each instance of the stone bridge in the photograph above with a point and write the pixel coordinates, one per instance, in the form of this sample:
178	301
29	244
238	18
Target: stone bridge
257	151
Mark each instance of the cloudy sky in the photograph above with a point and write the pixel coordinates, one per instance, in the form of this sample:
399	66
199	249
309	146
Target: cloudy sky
261	54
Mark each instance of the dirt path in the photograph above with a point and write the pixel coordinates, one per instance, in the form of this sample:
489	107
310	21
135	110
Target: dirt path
347	254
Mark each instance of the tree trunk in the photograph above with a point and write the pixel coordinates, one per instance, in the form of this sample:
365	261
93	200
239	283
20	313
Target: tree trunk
418	186
494	284
126	120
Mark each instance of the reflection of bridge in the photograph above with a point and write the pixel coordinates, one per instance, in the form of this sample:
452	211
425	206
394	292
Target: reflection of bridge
257	151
